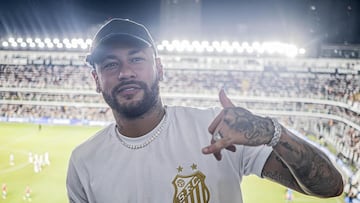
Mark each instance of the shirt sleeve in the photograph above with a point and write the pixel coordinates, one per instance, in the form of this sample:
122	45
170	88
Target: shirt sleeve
75	189
254	159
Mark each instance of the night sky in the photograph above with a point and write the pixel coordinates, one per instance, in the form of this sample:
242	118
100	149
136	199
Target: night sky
330	21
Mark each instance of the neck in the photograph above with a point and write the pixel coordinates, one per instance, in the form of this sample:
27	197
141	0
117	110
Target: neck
136	127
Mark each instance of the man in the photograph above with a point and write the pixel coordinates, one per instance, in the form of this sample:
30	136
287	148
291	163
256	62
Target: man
4	190
152	153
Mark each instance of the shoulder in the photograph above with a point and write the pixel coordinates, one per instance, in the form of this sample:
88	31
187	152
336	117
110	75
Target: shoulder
92	144
193	111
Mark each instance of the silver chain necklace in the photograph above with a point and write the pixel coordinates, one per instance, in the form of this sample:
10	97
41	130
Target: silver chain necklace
147	142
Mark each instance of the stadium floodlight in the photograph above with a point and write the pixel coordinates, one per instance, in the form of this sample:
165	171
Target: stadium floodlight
81	40
37	40
170	48
68	45
84	46
5	44
74	45
302	51
175	42
189	48
19	40
179	48
229	49
14	44
260	50
11	39
205	43
209	49
239	50
245	45
197	46
50	45
219	49
184	41
23	44
291	50
29	40
59	45
160	47
200	49
250	50
41	45
195	43
47	40
56	40
165	42
185	44
32	45
225	43
215	44
88	41
66	41
235	44
256	45
269	47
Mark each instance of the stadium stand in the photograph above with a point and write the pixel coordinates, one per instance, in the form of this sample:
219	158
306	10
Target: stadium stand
317	97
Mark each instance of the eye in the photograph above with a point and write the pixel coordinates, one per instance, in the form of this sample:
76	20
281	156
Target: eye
111	65
137	59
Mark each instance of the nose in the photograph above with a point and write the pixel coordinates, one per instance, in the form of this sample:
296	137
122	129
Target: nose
126	72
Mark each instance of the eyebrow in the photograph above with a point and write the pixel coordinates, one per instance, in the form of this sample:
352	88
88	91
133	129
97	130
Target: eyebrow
135	51
102	59
114	57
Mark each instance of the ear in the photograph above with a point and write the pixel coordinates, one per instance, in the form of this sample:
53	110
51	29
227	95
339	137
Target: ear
96	78
159	69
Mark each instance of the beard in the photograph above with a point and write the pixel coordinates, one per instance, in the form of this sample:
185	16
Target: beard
138	108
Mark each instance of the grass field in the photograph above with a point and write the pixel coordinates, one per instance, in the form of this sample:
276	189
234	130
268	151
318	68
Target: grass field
48	186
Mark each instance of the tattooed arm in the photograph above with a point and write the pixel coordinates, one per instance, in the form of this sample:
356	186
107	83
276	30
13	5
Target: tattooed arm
293	163
298	165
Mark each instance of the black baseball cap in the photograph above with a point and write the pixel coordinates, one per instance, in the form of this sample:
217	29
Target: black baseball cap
120	29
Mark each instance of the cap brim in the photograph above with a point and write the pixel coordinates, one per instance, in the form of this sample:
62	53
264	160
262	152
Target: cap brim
120	38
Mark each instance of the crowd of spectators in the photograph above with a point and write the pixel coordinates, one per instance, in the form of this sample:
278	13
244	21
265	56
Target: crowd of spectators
68	92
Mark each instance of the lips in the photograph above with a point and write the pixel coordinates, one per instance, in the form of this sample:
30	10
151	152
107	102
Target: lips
128	90
129	87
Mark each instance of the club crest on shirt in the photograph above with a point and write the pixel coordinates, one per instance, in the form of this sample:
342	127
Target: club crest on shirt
190	188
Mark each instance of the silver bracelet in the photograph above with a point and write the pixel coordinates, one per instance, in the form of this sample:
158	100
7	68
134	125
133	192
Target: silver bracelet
277	133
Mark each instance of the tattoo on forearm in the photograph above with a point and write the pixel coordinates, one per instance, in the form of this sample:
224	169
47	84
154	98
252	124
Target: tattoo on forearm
311	166
280	173
256	129
278	177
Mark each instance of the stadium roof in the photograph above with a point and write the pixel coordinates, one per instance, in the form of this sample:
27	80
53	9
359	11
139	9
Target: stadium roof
327	21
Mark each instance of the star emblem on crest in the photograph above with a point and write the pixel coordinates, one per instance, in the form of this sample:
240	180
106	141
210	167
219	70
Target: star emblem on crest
193	166
179	169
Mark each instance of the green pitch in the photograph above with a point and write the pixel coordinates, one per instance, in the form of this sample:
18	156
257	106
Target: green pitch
49	184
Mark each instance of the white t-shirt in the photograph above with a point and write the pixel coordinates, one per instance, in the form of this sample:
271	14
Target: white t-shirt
172	168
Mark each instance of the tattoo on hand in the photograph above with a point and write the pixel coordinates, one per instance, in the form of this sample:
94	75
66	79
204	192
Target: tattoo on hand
257	130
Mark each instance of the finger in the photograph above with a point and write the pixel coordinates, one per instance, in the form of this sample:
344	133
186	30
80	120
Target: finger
215	123
231	148
224	99
217	146
217	155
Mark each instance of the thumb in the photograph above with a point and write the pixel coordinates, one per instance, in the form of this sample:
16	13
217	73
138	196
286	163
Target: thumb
224	99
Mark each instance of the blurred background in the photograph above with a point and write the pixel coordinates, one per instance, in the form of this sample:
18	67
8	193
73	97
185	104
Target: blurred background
296	60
